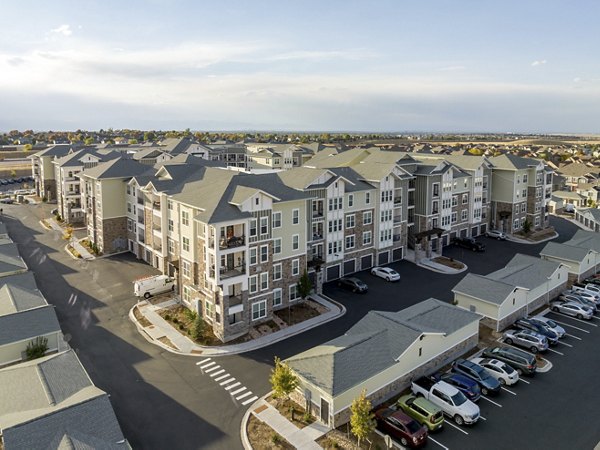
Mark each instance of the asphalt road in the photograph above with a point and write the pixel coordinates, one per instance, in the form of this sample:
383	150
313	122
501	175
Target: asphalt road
164	400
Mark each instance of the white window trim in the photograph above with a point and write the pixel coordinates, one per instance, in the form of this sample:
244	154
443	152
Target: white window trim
257	304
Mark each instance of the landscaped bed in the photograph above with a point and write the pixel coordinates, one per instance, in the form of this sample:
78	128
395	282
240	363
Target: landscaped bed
285	408
183	319
263	437
339	438
298	313
449	262
140	318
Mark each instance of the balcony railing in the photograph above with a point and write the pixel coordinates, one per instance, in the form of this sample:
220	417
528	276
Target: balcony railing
232	271
317	214
397	237
397	200
397	219
235	300
156	205
231	242
316	260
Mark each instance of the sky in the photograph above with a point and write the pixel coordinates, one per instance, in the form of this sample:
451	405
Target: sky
382	66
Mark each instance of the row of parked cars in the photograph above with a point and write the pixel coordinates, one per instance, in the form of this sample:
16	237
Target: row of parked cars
5	181
454	394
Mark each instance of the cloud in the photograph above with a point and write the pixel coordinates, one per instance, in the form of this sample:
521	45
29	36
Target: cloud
64	29
576	80
452	68
538	62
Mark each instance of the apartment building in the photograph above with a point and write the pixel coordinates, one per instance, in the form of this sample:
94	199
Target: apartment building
42	170
103	197
522	188
68	191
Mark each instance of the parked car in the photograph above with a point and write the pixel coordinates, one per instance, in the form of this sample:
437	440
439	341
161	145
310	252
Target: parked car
595	280
572	309
551	324
589	294
501	371
449	399
496	234
524	363
423	411
528	339
386	273
538	327
487	383
7	201
463	383
469	243
401	427
3	181
580	299
353	284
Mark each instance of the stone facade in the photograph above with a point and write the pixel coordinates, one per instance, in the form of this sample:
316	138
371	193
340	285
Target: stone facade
114	235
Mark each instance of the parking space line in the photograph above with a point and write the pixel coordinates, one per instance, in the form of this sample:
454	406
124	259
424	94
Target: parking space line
244	395
483	418
573	336
212	368
436	442
218	372
595	317
564	343
237	391
491	401
454	426
572	326
579	320
222	377
554	351
524	381
250	400
508	390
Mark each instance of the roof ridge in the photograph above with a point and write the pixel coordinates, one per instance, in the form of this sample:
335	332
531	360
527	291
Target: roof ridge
45	384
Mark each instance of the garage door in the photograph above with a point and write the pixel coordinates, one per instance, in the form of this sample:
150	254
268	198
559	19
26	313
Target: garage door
384	258
463	233
452	236
483	228
349	266
474	231
397	254
366	262
333	272
444	240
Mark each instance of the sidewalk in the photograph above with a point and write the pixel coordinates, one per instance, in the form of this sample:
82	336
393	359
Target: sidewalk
84	252
160	328
303	439
429	264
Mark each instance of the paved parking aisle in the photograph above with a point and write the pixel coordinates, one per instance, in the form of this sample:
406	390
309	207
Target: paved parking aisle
238	392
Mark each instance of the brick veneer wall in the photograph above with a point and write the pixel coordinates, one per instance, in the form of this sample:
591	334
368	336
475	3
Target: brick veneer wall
114	235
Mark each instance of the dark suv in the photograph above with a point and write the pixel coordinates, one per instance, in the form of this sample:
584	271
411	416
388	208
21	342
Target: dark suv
469	243
353	284
522	362
538	327
487	383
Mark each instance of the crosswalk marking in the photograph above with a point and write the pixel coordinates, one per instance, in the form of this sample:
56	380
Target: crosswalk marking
203	361
212	368
223	383
244	395
222	377
236	392
250	400
218	372
228	388
204	364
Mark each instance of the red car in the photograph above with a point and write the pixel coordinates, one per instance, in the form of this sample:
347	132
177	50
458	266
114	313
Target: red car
401	427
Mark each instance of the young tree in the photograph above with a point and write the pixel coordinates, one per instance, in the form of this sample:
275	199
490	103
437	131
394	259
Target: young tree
198	328
304	285
36	348
526	227
283	381
362	420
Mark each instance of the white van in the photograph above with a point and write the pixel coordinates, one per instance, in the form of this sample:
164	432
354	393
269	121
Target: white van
156	284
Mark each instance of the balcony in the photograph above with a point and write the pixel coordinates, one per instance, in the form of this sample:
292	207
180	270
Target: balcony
140	218
397	201
315	261
317	237
231	242
141	238
235	300
231	271
397	219
397	237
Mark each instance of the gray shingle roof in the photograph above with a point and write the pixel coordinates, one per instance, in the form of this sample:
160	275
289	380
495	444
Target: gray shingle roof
484	288
117	168
58	150
28	324
10	260
374	343
526	271
565	251
15	298
513	162
587	239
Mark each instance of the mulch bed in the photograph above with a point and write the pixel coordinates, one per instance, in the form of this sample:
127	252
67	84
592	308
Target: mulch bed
285	409
140	318
339	439
448	262
297	313
180	318
262	436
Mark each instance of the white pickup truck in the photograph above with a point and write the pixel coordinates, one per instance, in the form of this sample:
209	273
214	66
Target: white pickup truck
449	399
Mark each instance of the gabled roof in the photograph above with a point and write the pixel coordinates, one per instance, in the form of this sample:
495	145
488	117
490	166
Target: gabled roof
508	161
587	239
565	251
50	402
330	157
55	150
301	177
485	289
526	271
594	212
10	260
117	168
15	298
375	343
578	169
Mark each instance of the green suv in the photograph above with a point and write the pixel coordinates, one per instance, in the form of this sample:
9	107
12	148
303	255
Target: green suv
423	411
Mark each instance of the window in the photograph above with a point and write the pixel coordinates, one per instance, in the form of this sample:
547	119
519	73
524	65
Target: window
277	220
367	238
295	267
295	216
385	235
185	243
463	215
264	225
537	221
170	205
276	272
465	199
434	208
171	245
334	247
185	269
523	207
277	246
368	218
516	224
259	310
253	259
350	200
350	221
293	293
349	242
336	203
171	226
187	294
253	227
334	225
386	215
264	281
128	189
128	207
208	309
523	221
264	253
436	189
295	242
367	198
277	297
518	179
253	284
185	218
453	216
524	178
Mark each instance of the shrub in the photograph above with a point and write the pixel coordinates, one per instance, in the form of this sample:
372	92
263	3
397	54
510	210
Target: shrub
191	315
198	328
275	438
44	199
181	327
167	316
306	417
175	320
37	348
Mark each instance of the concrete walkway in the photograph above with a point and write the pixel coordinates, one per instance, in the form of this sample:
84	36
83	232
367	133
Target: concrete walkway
183	345
301	438
84	252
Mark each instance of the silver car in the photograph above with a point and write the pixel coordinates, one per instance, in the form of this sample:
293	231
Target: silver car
496	234
501	371
550	324
576	298
572	309
528	339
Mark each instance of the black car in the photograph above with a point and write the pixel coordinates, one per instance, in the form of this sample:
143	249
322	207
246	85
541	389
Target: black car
469	243
526	324
353	284
487	383
523	362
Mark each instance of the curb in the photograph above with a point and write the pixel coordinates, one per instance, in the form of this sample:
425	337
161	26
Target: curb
71	254
526	242
443	272
224	352
41	222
